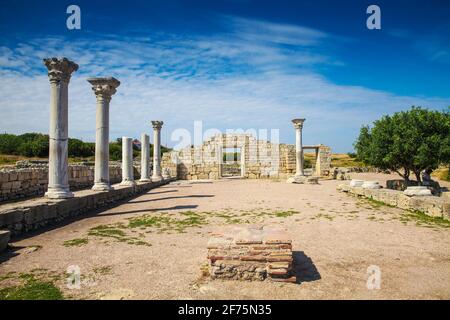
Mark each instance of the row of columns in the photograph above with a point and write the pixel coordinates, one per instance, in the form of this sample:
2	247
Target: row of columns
59	73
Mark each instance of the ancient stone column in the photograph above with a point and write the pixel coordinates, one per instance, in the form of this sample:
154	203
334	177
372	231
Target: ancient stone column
298	124
157	176
145	158
127	162
59	73
103	88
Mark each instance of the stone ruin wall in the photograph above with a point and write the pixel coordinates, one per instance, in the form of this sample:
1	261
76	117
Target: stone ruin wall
262	159
28	179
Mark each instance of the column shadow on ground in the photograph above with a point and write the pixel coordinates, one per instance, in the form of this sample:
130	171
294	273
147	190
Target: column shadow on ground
304	268
174	197
149	210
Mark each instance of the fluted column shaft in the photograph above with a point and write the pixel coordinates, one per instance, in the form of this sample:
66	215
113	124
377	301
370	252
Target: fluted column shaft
59	73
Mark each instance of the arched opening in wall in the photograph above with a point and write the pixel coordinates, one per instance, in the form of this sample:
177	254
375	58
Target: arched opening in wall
231	162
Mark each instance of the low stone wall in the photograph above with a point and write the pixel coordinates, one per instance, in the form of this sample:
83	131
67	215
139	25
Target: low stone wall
21	182
36	213
251	253
430	205
30	178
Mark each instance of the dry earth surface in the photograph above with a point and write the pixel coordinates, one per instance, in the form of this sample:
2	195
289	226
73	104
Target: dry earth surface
154	246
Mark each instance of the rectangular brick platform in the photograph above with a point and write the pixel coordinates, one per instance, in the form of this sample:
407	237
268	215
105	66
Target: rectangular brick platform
251	253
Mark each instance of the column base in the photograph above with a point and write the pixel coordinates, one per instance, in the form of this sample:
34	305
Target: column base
58	194
145	180
128	183
102	186
157	178
303	179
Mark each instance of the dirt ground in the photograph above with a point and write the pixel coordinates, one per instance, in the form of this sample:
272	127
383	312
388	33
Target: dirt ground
160	252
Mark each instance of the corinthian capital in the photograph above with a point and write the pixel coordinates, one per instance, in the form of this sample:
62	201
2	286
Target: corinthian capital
298	123
104	87
60	69
157	124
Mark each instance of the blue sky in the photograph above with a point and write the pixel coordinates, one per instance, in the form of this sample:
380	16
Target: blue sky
231	64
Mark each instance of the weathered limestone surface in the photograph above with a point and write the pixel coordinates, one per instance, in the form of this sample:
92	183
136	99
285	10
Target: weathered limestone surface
145	158
251	253
259	159
432	206
419	191
127	162
36	213
59	73
22	182
303	180
103	88
356	183
370	185
4	239
298	124
157	173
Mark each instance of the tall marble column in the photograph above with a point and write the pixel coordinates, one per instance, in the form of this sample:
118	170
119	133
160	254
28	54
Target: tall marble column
127	162
103	88
59	73
157	176
298	124
145	158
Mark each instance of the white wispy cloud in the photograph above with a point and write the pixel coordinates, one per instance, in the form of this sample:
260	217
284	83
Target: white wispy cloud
255	74
434	46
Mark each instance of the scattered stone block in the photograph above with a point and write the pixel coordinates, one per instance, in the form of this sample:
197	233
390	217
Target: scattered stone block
356	183
419	191
371	185
251	253
303	180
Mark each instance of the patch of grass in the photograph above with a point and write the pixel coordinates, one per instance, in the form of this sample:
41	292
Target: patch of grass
115	231
421	218
378	204
76	242
284	214
344	160
107	231
103	270
164	222
31	289
425	220
324	215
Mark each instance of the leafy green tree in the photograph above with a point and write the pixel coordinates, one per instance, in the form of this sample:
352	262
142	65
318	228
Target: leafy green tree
115	151
406	142
9	143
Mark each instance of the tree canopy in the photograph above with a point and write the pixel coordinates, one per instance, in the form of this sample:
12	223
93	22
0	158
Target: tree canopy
37	145
406	142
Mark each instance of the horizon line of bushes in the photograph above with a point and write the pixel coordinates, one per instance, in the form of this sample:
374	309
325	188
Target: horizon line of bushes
37	145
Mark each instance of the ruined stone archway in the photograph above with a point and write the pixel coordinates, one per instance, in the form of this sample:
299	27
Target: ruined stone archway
258	158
